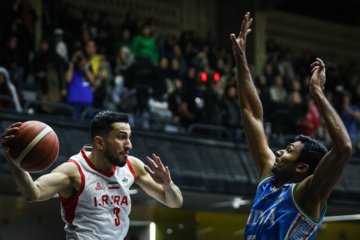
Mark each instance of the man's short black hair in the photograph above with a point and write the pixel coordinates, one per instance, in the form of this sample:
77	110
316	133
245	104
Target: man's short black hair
101	124
312	152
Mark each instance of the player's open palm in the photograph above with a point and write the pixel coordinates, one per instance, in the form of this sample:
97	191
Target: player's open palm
160	174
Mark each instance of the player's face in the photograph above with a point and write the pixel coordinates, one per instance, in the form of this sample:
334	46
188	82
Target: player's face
285	162
118	144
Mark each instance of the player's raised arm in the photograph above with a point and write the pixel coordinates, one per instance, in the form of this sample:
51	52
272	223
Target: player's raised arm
332	166
250	105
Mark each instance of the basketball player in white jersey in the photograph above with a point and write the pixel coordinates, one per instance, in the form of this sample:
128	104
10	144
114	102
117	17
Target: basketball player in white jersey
94	184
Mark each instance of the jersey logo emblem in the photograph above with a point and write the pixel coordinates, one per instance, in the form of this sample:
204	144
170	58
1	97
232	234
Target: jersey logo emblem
98	187
114	185
125	180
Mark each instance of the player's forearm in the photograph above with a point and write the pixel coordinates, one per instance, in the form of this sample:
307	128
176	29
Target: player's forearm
24	182
173	196
337	131
248	96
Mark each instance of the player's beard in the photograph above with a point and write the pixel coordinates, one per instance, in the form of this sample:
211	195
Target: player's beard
114	159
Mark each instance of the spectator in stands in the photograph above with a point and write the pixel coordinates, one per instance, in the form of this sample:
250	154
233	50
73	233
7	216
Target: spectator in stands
230	109
10	98
175	99
286	62
350	114
193	105
200	60
123	65
174	70
99	70
162	83
264	95
131	23
79	77
270	72
144	45
305	84
60	46
124	40
10	59
190	78
277	90
310	122
48	70
177	54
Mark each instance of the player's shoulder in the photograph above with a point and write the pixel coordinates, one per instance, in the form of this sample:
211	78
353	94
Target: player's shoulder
137	165
135	162
68	168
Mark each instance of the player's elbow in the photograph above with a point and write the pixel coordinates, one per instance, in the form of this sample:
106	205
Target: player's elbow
177	203
31	198
345	150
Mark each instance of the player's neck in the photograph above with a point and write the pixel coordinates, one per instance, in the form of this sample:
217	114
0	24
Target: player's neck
281	182
100	162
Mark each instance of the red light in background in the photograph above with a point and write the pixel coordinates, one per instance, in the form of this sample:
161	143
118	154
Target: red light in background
203	77
216	77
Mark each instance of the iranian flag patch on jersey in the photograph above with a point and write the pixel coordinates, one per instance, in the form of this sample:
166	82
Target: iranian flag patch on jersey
114	185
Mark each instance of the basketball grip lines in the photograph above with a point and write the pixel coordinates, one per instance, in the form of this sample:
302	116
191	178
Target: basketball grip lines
31	145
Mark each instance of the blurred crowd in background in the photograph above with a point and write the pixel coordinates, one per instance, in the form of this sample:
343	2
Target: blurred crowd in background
88	62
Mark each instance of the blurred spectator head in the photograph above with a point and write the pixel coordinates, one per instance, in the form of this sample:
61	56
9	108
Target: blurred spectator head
12	42
164	63
44	45
177	50
278	81
126	34
90	48
178	83
346	96
295	97
146	30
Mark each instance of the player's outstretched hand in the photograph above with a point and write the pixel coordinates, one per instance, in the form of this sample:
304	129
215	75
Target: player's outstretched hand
239	43
318	77
160	174
8	135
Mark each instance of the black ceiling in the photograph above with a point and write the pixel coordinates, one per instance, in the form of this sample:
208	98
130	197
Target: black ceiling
344	12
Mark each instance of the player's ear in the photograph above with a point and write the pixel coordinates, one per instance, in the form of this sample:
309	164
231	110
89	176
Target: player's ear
98	142
302	167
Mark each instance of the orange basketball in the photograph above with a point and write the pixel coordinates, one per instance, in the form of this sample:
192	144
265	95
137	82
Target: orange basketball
35	147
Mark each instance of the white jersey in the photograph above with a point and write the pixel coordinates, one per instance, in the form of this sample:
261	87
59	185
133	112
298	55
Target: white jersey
100	209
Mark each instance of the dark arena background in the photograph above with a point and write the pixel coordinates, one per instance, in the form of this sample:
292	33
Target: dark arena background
181	102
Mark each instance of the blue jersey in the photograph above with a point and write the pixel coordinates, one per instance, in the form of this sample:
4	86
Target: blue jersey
276	214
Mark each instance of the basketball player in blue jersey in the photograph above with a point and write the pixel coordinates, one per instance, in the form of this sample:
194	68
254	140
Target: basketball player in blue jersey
295	182
94	184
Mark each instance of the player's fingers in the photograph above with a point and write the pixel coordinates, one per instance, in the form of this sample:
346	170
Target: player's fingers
148	170
10	131
158	161
153	164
